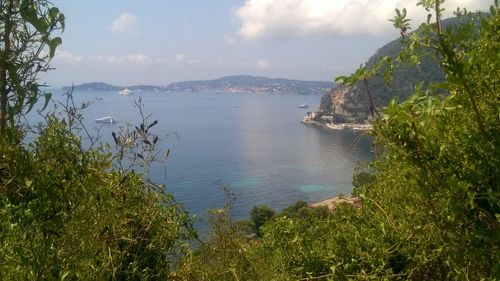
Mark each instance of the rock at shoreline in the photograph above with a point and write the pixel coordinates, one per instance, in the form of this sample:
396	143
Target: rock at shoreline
333	202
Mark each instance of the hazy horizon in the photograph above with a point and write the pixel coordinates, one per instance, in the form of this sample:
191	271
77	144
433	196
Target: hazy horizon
146	84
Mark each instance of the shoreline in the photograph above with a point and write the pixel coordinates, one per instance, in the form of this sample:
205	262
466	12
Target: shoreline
333	202
339	126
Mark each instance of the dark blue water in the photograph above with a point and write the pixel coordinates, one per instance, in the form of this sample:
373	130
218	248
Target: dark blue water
255	144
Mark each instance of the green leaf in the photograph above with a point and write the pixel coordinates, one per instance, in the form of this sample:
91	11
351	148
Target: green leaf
40	24
25	4
53	44
53	14
31	102
65	274
47	97
62	21
32	94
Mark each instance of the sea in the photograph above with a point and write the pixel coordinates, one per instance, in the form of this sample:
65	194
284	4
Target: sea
250	145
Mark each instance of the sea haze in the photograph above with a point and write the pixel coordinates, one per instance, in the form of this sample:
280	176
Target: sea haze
252	143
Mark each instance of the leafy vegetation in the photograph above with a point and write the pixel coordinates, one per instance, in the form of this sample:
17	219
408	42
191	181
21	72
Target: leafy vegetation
27	48
430	202
66	212
259	216
66	215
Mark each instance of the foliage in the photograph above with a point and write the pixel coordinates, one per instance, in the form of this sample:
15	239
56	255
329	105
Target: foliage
26	50
259	216
224	255
431	199
65	214
302	210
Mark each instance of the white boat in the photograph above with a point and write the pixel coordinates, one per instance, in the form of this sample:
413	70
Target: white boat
105	119
125	92
303	106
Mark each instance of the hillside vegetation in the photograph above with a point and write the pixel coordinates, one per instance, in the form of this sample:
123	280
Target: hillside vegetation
429	204
351	103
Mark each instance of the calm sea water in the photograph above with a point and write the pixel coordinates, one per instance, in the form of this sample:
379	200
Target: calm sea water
254	144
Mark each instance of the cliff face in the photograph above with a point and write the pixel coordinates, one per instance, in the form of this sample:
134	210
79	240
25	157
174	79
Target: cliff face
351	104
346	101
345	104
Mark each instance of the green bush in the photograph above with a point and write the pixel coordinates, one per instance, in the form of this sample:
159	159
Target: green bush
66	214
430	204
259	216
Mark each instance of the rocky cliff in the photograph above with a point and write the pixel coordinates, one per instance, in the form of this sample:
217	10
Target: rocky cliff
351	104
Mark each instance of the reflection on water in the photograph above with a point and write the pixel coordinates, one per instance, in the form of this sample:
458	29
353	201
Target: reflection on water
254	144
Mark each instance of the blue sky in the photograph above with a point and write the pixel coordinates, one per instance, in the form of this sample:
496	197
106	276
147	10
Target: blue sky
129	42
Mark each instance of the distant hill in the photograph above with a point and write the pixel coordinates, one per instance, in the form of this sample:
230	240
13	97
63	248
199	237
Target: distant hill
237	83
95	86
101	86
351	104
253	84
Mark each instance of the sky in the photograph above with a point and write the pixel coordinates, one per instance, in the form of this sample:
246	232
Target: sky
156	42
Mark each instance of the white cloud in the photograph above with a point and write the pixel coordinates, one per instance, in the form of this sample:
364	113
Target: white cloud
65	56
123	23
263	64
179	57
182	59
133	58
291	18
139	58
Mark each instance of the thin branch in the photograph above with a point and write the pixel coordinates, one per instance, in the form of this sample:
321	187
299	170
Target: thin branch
451	57
372	105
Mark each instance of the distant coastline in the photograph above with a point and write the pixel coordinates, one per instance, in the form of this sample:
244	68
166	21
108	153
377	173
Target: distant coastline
228	84
254	84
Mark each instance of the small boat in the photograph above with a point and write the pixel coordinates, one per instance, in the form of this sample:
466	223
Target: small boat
105	119
125	92
303	106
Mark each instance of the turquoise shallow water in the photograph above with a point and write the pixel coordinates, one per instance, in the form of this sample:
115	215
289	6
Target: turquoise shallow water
254	144
245	183
314	188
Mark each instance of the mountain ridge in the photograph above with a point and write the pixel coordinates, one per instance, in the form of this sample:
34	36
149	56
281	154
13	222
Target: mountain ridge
253	84
231	84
